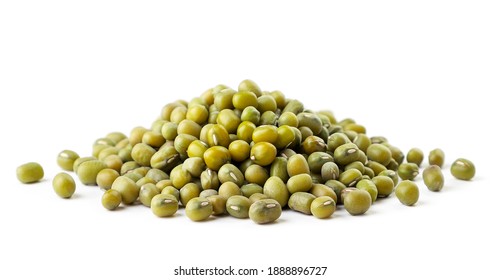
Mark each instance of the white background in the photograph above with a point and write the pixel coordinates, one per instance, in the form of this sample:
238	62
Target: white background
422	73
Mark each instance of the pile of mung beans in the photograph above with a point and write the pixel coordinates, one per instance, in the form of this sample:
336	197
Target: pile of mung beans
247	153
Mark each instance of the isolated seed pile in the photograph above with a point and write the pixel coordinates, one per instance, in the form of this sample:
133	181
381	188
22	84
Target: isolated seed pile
248	154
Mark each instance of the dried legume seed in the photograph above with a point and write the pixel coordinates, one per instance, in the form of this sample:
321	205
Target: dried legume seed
463	169
127	188
323	207
106	177
323	190
350	177
238	206
316	161
299	183
111	199
276	189
188	192
264	211
297	164
357	202
146	193
64	185
29	172
164	205
263	153
88	170
369	186
433	178
346	154
198	209
407	192
436	157
301	202
384	184
66	159
229	189
415	155
379	153
218	204
408	171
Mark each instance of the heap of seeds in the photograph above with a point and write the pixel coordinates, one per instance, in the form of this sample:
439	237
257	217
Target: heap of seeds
247	153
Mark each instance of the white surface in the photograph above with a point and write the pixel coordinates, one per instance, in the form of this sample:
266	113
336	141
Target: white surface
422	74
